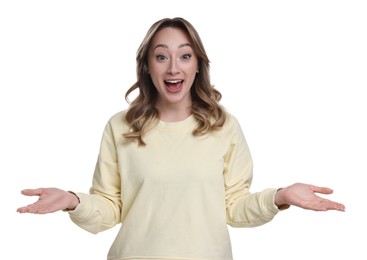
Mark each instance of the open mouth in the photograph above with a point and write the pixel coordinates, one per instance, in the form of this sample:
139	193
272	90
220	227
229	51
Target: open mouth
173	86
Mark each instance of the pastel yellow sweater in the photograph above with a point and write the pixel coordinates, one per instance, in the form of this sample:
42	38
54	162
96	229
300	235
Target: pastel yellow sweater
175	196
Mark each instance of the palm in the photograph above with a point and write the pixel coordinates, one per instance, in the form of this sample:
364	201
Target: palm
50	200
304	196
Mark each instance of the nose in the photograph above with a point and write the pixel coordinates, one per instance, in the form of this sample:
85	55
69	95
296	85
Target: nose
173	67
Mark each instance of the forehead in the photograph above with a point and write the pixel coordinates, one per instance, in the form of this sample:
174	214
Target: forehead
171	37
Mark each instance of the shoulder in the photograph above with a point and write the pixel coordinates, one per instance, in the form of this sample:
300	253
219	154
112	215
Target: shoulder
231	121
117	122
232	127
233	130
118	117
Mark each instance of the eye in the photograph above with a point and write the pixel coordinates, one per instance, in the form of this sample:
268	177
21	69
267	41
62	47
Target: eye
161	57
186	56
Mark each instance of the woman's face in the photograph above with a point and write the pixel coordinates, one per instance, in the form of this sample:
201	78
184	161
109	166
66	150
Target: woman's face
172	66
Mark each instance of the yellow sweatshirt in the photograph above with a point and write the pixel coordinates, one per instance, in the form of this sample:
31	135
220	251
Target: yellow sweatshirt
175	196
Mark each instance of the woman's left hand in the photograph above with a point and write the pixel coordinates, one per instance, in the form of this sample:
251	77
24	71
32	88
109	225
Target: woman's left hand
304	196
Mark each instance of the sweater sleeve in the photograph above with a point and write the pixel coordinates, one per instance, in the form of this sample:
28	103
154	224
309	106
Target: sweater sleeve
101	208
244	209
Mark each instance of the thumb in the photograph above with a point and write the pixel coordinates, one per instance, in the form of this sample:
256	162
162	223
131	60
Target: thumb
322	190
32	192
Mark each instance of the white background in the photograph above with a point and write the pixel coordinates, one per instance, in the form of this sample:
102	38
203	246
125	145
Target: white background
293	72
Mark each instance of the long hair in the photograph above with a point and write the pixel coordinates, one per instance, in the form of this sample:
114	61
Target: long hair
142	113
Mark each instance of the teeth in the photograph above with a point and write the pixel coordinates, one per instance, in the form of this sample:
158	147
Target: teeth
173	81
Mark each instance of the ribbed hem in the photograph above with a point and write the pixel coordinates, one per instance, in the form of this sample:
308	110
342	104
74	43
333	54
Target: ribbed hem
159	257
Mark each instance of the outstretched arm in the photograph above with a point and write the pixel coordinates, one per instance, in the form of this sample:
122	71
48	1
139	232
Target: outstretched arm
50	200
304	196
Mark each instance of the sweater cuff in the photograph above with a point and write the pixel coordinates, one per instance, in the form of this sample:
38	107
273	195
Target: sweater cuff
275	207
269	199
82	211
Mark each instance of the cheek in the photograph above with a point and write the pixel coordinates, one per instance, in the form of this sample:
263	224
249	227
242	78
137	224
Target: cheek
192	68
156	70
155	81
154	74
192	73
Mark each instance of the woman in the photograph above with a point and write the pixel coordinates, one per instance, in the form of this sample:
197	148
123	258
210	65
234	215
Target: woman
174	168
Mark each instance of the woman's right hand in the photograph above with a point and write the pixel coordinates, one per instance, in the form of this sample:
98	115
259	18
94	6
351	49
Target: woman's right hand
50	200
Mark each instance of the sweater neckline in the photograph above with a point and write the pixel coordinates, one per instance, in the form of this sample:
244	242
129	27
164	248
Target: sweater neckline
177	125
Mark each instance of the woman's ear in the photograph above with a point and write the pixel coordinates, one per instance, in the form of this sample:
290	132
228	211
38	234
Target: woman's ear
146	68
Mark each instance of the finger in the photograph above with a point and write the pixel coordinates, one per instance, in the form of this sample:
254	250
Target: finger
326	204
332	205
32	192
339	207
27	209
22	210
35	208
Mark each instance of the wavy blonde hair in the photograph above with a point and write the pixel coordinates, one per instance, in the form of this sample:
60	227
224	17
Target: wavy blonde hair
142	113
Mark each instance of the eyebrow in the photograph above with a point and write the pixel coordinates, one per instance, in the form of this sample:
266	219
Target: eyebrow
166	46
